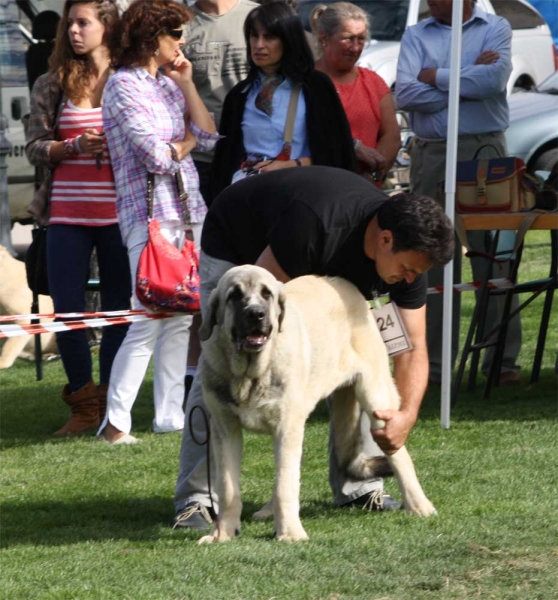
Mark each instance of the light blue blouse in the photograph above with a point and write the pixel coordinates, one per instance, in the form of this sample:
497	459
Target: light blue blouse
263	134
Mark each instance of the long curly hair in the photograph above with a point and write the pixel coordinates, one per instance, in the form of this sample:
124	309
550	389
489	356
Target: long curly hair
135	38
74	70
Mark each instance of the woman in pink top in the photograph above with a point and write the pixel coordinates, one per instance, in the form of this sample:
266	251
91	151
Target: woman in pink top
66	136
342	29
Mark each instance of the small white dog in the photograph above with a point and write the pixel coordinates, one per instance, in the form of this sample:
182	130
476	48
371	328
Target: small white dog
16	299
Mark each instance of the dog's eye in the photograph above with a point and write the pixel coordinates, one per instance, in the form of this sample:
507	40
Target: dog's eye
266	293
235	294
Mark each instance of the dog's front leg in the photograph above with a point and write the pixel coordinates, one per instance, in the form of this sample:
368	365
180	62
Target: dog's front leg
287	445
226	438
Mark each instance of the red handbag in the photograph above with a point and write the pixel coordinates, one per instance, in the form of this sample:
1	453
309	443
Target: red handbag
168	278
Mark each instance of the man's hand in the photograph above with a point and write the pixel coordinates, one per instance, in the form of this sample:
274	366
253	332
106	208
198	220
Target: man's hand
428	76
488	57
394	435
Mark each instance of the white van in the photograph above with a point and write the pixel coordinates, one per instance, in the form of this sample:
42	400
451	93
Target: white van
16	22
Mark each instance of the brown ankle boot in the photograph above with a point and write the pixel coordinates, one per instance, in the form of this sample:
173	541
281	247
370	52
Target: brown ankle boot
102	389
84	404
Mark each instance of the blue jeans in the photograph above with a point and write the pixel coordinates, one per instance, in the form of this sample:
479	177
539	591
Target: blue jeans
69	250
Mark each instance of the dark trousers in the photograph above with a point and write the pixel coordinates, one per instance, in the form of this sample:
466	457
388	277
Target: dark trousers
69	250
204	173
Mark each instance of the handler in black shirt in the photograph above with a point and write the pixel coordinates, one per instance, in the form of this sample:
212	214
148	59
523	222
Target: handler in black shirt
325	221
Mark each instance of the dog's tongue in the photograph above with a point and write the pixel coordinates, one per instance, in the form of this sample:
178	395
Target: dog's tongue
256	340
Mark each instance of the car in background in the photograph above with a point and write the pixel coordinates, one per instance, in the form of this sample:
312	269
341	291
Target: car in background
16	24
533	131
534	55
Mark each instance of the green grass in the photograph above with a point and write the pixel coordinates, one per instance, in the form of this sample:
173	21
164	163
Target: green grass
83	520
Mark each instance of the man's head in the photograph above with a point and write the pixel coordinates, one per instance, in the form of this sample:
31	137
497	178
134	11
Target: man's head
442	10
409	235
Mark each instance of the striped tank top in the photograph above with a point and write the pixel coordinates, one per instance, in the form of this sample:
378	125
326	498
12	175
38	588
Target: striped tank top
83	190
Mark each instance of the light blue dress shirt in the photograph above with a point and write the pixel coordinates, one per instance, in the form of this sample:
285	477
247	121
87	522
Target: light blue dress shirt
482	106
263	134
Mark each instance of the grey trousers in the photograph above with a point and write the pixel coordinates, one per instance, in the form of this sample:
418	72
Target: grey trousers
428	165
192	482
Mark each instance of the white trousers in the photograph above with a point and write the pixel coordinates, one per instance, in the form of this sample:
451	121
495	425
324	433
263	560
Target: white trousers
167	339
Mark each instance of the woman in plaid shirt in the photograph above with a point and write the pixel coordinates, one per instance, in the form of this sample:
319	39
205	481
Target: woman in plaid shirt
152	123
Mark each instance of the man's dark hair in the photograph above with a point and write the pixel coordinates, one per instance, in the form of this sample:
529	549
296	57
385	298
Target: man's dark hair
418	223
280	20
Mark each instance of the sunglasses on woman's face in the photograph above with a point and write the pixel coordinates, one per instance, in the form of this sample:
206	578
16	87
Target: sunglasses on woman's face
175	34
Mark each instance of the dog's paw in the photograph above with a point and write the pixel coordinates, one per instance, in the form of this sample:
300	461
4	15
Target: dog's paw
422	509
292	534
208	539
265	512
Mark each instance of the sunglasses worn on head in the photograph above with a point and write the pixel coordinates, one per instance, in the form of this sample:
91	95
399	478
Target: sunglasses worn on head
175	34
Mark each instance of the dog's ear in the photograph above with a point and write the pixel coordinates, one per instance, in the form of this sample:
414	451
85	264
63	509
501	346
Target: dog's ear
281	300
210	319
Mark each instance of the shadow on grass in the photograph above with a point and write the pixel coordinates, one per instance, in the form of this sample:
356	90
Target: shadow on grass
525	402
99	519
30	414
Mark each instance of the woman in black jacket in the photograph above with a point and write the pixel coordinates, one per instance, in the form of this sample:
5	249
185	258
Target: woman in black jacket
254	115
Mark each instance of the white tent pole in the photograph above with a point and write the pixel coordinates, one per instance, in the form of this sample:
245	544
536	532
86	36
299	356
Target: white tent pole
451	159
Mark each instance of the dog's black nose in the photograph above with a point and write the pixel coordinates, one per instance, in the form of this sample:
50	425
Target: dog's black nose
255	313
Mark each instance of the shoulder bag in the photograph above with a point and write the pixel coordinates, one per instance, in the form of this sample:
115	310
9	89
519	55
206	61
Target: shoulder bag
498	184
167	278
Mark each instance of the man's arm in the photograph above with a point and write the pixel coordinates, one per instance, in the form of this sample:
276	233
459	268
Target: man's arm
268	261
411	377
411	93
491	70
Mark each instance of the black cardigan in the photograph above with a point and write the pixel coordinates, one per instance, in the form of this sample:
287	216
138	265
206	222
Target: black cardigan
329	134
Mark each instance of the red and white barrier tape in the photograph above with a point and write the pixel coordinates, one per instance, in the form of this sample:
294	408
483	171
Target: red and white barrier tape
8	331
493	284
76	315
120	317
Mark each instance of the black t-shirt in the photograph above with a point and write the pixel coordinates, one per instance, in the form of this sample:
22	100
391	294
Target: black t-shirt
313	218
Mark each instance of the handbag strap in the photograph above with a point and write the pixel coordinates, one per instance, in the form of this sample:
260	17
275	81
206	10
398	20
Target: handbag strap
479	150
182	193
291	114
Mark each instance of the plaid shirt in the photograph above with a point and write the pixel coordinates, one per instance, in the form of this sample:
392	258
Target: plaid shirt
142	114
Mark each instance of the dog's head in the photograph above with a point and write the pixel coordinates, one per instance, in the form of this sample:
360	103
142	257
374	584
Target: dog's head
248	305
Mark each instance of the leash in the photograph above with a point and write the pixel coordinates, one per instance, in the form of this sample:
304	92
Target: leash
205	442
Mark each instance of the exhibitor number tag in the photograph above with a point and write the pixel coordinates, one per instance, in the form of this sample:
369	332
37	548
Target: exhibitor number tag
391	328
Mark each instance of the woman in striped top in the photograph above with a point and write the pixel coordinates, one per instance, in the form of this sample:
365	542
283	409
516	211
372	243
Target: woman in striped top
66	136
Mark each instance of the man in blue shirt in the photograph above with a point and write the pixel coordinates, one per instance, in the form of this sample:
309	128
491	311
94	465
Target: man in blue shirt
422	88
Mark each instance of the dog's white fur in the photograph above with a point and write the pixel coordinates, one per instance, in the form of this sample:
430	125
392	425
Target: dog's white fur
323	340
16	299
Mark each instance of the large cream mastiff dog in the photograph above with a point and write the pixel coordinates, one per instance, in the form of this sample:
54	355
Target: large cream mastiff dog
16	299
271	353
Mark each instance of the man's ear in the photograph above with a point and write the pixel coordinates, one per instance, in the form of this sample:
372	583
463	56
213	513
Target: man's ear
386	240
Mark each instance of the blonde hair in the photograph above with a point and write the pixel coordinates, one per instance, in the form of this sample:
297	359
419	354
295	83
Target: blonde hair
328	19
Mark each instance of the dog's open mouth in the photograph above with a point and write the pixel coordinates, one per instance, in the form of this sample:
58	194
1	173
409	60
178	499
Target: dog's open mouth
252	342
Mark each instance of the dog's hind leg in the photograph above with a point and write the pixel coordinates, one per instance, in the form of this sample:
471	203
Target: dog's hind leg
380	393
266	512
414	498
287	445
11	350
226	438
345	415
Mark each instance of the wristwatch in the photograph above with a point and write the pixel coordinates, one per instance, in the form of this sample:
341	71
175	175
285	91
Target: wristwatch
70	149
297	162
